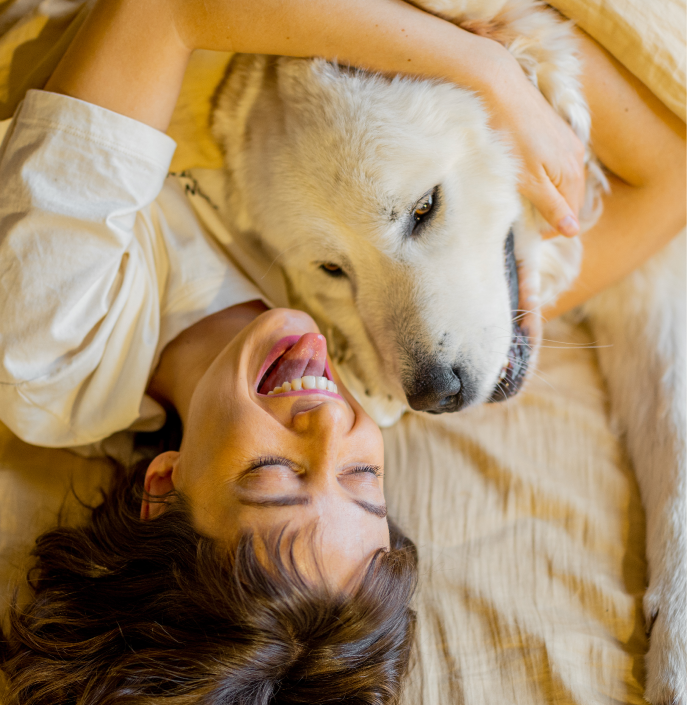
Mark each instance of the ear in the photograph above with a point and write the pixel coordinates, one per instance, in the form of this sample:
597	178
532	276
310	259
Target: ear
234	100
158	481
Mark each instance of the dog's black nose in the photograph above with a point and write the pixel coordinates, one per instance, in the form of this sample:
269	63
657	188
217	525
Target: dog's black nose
437	390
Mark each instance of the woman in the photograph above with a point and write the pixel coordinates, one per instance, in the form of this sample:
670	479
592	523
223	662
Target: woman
255	560
207	523
257	557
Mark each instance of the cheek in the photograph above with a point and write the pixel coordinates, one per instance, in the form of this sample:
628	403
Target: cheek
220	402
371	436
212	440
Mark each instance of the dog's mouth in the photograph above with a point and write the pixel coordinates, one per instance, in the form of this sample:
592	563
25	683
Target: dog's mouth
514	370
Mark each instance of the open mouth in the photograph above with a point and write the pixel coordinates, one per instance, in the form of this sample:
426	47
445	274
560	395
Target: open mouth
297	364
514	370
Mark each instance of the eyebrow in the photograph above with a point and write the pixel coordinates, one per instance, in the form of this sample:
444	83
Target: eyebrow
378	510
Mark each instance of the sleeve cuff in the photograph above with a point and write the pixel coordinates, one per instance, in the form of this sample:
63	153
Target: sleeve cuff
99	125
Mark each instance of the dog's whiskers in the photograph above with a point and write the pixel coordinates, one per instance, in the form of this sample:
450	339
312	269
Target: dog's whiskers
564	346
537	374
501	389
535	309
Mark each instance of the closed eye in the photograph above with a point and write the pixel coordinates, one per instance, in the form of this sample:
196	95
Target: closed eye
276	460
371	469
378	510
271	461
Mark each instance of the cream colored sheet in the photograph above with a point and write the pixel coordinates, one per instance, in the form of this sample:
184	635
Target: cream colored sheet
531	540
648	36
527	515
529	528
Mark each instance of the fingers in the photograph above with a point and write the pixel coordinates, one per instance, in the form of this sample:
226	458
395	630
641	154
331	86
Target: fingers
554	208
559	196
551	154
554	173
571	185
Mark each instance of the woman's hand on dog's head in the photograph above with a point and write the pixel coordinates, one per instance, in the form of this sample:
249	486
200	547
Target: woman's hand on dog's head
552	176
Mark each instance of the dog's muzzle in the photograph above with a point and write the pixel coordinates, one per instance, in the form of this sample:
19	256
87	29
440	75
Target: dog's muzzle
439	388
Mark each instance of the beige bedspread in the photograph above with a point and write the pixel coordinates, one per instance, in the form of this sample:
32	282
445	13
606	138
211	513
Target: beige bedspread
526	514
529	528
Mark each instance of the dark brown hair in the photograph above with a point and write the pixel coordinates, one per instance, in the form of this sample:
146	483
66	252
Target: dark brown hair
150	612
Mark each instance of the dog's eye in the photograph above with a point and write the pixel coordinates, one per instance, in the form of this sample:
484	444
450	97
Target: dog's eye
423	207
333	270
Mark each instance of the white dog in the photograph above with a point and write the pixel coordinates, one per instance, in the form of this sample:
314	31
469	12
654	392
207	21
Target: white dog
393	212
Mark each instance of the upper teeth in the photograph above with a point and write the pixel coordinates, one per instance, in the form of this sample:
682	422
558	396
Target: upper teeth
307	382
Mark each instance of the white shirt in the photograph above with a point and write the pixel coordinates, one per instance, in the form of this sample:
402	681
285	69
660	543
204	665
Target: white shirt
103	261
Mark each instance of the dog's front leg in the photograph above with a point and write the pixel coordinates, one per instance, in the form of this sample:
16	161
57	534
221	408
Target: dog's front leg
643	322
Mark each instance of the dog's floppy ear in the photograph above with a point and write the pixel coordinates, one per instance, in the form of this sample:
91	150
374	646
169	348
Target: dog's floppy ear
301	81
258	84
234	99
249	79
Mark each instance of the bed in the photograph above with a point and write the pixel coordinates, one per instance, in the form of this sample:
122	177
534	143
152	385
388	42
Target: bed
526	514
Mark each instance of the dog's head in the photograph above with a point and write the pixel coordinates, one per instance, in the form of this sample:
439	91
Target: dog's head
390	206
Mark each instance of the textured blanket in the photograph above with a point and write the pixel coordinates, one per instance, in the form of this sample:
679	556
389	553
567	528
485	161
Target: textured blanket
526	514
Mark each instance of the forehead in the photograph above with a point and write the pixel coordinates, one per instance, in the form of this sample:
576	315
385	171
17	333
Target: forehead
351	154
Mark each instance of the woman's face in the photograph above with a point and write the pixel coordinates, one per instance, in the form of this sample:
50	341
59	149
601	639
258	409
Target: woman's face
306	459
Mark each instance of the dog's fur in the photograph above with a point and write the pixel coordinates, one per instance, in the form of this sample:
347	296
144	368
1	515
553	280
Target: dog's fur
325	165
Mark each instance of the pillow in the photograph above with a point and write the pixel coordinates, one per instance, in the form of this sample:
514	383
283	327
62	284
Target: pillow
647	36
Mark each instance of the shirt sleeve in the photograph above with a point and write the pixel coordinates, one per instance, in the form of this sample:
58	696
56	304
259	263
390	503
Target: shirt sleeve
88	261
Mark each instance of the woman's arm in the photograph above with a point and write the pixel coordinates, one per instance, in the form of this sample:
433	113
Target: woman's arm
642	144
130	57
103	262
81	272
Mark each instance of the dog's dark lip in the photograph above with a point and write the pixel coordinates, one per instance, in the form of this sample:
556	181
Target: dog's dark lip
521	348
516	371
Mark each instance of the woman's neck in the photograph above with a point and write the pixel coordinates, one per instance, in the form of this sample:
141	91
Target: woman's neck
186	358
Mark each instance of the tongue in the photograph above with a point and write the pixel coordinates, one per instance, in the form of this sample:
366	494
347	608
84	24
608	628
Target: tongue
307	357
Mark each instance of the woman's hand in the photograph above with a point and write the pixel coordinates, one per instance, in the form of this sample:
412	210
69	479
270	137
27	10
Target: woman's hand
551	154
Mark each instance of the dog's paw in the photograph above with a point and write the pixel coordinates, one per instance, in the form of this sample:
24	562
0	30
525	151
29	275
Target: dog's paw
666	660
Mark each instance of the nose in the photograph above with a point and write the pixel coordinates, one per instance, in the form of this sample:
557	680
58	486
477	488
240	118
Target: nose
437	389
327	423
